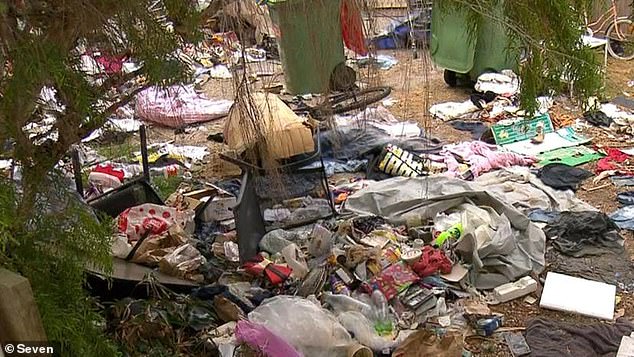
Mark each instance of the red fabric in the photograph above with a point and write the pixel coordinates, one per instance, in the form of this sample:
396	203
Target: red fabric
108	169
612	161
431	262
352	27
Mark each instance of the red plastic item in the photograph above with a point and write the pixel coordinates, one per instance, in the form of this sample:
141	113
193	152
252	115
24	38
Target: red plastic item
108	169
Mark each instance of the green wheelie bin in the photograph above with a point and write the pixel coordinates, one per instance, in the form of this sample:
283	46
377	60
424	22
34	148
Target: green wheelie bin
465	53
310	42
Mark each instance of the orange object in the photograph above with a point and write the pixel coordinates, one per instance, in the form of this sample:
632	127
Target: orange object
341	198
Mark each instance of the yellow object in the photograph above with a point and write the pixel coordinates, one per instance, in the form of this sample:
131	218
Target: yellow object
270	124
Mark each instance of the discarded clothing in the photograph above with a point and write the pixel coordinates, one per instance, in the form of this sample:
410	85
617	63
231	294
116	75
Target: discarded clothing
615	160
624	217
501	255
563	177
353	143
352	28
597	118
548	338
481	99
621	181
476	128
506	83
452	110
431	262
584	233
178	106
626	198
481	157
542	216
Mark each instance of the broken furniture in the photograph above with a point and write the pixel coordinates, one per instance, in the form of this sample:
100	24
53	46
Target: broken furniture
262	189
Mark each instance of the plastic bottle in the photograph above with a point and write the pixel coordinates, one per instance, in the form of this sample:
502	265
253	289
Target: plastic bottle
382	325
343	303
454	233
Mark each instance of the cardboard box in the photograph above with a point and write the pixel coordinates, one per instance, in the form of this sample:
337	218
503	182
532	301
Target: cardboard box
282	131
218	209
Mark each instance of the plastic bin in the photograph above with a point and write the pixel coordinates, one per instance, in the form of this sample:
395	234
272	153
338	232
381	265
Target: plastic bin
310	42
459	53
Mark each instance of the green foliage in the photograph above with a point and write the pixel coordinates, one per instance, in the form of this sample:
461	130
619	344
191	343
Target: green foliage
549	32
62	238
165	186
44	235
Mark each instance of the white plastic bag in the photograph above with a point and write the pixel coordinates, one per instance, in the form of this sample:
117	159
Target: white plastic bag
120	247
312	330
363	331
295	260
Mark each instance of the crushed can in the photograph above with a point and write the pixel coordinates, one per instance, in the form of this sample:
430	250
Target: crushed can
486	327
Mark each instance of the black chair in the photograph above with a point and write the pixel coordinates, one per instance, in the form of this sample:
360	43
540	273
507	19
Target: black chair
261	189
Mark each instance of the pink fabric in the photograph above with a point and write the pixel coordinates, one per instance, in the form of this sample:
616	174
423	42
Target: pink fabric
264	341
481	157
178	106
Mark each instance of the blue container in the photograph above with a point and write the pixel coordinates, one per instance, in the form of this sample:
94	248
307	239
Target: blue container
387	42
402	31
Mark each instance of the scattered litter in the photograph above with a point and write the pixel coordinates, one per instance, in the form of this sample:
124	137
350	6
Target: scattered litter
517	344
511	291
384	62
530	300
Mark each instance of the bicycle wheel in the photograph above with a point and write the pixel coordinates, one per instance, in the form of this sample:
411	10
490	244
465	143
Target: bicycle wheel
621	37
358	99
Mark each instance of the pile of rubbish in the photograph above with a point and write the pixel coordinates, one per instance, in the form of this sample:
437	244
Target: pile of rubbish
418	242
375	239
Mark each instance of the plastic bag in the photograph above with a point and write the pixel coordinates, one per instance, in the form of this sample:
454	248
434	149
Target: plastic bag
154	248
120	247
363	331
321	241
312	330
181	261
155	219
263	340
295	260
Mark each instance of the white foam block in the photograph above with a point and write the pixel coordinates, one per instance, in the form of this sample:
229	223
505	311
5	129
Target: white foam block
582	296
